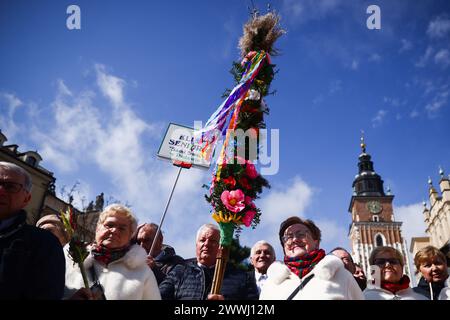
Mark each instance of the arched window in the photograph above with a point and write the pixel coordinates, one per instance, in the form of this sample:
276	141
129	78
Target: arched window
379	240
375	218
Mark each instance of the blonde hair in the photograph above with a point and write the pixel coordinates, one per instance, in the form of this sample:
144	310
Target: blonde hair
397	254
118	209
428	253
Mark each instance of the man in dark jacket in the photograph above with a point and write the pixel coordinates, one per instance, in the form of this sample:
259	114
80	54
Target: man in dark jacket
193	281
32	264
163	258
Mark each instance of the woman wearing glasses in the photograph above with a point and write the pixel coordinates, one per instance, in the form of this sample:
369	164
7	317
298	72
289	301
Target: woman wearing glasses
307	273
116	269
390	283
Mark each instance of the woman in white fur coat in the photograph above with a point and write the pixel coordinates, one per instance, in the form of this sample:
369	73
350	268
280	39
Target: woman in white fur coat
390	282
307	274
119	268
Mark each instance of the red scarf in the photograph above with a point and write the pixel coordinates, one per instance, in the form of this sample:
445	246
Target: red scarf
105	255
303	265
394	287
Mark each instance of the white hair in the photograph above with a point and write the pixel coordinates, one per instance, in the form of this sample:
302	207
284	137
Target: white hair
20	171
261	242
206	226
114	209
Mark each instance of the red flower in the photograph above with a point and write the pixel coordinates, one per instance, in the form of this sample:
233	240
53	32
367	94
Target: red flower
230	181
250	170
244	183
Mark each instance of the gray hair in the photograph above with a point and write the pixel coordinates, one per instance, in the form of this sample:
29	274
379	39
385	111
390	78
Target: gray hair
20	171
114	209
261	242
206	226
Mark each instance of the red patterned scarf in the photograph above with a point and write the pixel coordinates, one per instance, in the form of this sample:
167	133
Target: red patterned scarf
105	255
303	265
394	287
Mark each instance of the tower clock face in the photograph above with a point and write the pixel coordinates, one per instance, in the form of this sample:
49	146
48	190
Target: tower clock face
374	206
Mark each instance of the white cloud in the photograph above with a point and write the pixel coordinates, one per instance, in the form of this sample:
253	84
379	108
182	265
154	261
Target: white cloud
354	65
442	58
333	235
406	45
374	57
414	114
282	202
8	105
300	12
335	86
439	27
424	59
110	86
439	100
379	118
412	218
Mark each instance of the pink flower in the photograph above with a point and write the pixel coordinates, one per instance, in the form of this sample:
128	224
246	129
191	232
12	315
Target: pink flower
250	170
233	200
249	215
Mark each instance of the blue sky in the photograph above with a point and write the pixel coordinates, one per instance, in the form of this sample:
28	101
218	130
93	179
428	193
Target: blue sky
95	102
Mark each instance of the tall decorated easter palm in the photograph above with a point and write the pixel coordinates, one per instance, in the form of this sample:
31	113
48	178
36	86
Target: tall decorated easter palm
236	183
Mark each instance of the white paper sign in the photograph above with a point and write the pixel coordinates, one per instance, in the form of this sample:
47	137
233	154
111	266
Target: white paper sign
179	145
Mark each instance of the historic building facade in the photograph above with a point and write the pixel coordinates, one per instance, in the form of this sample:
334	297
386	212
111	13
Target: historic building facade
436	218
373	223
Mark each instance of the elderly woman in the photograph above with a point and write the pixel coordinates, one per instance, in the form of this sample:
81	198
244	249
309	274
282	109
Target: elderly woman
394	285
307	273
53	223
119	268
432	265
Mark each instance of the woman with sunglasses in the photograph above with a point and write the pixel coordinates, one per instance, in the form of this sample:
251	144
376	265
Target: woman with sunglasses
393	283
432	265
307	272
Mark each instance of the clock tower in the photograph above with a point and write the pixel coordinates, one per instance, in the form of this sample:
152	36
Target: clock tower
373	222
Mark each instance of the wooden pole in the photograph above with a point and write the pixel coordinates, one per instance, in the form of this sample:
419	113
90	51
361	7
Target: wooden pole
221	262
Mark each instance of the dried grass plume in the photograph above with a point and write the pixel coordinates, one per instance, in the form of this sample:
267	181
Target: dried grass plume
260	33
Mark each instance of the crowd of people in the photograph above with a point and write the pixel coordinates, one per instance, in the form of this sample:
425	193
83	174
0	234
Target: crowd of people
127	261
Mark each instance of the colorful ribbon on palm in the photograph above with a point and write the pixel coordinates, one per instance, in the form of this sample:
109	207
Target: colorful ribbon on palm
235	183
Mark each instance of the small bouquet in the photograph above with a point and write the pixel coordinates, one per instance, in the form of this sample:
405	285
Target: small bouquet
77	248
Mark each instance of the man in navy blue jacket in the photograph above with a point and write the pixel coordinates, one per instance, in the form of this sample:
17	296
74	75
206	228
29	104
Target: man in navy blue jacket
32	264
192	281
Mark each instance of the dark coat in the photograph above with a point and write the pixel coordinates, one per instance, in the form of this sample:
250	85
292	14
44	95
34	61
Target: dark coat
188	282
165	262
32	263
423	288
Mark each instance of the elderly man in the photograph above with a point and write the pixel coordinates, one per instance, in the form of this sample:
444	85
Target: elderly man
32	263
163	258
262	255
193	281
347	259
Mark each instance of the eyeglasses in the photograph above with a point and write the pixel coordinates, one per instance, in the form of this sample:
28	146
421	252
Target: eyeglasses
11	187
120	227
382	262
298	235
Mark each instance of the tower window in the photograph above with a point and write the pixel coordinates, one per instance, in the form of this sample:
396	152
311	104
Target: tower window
375	218
31	160
379	241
